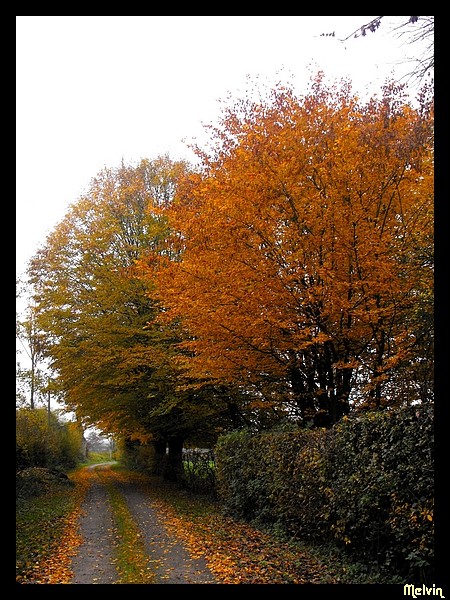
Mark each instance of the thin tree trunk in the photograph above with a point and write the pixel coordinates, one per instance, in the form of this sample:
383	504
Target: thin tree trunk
159	456
173	467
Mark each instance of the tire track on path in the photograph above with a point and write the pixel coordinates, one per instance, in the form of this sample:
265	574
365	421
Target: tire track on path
170	559
95	561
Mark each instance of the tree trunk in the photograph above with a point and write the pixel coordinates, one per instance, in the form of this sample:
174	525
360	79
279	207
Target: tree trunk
159	456
173	465
303	389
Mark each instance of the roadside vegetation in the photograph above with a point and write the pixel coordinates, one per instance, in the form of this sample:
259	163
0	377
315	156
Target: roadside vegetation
46	526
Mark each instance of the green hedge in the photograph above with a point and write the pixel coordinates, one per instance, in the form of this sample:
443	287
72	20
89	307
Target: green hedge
366	485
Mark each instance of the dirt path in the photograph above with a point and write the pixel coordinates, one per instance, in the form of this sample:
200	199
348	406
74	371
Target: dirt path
95	558
168	559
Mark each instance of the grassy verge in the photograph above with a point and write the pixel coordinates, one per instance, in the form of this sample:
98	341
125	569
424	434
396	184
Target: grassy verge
95	458
46	532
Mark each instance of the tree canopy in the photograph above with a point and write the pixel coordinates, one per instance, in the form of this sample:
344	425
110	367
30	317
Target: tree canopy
288	276
115	368
306	246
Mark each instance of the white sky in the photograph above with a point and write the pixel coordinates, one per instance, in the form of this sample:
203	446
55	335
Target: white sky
92	90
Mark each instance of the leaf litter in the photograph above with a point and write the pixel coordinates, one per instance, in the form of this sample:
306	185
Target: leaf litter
235	552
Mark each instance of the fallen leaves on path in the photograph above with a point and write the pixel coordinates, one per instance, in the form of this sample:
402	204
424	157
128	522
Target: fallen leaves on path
132	561
236	552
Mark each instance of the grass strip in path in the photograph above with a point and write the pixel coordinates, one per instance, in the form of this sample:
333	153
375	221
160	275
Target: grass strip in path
132	560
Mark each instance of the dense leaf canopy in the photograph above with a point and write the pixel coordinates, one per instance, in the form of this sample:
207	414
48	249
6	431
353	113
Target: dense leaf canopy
288	276
114	367
306	250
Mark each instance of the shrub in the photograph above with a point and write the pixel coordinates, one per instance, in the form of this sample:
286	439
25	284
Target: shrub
273	477
36	481
366	485
382	468
43	441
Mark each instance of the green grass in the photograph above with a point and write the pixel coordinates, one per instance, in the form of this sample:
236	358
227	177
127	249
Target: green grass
39	525
98	457
132	561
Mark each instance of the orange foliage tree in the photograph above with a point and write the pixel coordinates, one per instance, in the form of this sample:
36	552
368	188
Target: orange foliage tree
114	367
305	239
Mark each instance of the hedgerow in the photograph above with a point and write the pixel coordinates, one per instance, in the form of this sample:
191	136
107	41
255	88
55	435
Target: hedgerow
366	485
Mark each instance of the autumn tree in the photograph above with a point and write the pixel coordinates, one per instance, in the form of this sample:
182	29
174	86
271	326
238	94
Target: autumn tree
305	272
31	380
113	364
43	440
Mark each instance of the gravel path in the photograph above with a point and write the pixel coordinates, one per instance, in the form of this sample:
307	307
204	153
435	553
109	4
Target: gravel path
168	558
94	562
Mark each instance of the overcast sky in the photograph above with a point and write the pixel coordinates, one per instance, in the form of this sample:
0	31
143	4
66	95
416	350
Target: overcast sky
94	90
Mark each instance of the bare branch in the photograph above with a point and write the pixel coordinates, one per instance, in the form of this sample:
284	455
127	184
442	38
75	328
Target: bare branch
372	26
414	30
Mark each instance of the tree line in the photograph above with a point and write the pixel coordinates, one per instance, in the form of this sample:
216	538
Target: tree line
286	277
